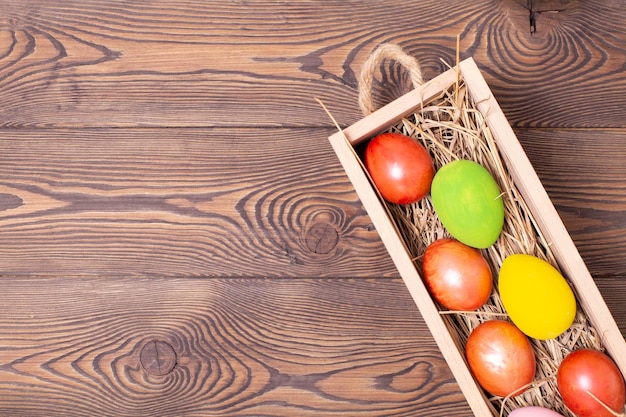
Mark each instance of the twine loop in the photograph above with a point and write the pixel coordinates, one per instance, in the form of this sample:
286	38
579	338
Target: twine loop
385	51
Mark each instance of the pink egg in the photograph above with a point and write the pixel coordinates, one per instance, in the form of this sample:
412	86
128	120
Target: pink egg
534	412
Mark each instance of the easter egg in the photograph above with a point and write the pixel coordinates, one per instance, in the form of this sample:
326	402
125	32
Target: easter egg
536	296
456	275
534	412
591	384
400	167
500	357
468	202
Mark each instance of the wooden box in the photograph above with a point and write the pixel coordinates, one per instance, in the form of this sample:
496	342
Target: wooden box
532	191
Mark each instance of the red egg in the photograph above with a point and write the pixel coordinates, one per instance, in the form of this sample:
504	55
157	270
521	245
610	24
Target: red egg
457	276
401	168
586	373
501	358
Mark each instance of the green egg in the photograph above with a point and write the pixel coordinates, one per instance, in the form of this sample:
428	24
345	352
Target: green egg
468	202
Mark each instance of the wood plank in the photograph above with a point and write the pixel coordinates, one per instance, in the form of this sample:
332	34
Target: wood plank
178	202
584	172
447	341
303	347
614	294
555	76
86	63
107	232
188	202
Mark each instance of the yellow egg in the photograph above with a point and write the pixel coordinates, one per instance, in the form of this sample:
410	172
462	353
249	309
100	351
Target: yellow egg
536	296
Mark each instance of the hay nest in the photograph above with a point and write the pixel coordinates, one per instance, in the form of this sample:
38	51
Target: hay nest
452	128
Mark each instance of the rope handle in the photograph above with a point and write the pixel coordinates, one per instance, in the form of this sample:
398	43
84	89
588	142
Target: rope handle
384	51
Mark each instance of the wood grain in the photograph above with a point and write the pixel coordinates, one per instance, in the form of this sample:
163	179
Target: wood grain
243	202
247	202
165	175
550	78
585	176
244	347
614	294
259	63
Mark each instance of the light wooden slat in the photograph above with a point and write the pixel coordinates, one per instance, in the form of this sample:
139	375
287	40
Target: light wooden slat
546	216
343	145
522	172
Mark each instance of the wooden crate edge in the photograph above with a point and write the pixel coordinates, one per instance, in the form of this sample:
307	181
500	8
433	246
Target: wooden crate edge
546	215
447	344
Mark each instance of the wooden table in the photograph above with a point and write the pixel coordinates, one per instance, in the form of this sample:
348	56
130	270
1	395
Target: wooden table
178	237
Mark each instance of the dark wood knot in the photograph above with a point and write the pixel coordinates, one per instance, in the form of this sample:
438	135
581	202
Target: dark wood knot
9	201
157	358
322	238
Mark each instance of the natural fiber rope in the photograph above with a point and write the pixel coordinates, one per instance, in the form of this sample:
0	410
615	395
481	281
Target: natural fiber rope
384	51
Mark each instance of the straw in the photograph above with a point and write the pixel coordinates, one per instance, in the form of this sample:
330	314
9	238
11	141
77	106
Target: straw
450	128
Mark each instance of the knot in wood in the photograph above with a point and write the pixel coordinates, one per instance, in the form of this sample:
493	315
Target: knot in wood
9	201
322	238
157	358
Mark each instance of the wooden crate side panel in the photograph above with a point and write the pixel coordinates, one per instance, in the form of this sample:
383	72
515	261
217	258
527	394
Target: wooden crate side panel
545	214
448	345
